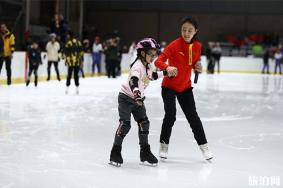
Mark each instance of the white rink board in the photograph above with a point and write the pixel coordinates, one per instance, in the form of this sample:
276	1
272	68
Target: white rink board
230	64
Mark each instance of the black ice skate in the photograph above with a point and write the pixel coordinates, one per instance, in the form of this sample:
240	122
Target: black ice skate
147	156
115	156
27	82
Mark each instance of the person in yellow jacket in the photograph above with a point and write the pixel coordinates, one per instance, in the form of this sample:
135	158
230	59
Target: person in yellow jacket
8	42
73	53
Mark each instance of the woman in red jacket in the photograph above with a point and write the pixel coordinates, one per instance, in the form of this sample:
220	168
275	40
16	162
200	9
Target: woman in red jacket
184	54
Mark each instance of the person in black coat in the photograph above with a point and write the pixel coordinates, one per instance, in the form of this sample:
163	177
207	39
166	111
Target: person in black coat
112	57
34	56
209	60
265	61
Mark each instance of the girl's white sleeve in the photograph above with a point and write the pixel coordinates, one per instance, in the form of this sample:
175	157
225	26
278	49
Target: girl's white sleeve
160	74
135	71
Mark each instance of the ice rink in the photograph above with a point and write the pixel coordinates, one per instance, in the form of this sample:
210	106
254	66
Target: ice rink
52	140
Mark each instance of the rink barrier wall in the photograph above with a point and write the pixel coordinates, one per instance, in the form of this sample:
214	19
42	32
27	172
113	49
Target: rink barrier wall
20	61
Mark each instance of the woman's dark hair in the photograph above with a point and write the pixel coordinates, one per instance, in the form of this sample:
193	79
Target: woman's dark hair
190	20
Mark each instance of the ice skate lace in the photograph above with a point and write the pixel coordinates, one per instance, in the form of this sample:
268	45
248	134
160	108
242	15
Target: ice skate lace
204	148
164	148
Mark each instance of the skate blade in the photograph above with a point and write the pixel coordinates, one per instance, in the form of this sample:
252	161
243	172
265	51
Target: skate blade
161	157
209	159
145	163
114	164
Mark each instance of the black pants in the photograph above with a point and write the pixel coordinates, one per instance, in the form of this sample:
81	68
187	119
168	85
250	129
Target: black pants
217	63
187	103
76	70
118	71
8	67
128	106
33	68
111	68
55	63
210	66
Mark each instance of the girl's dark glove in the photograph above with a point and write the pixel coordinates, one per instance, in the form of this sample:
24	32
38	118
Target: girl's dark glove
137	96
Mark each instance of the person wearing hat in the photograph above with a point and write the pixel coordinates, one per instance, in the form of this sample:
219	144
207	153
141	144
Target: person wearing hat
131	99
52	49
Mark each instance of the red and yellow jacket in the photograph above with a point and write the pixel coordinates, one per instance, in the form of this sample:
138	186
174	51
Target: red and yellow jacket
183	56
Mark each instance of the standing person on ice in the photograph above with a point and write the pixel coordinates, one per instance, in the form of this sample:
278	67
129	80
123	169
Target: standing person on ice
183	53
52	49
34	56
73	52
131	99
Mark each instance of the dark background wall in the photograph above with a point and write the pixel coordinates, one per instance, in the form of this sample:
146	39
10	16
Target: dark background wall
136	19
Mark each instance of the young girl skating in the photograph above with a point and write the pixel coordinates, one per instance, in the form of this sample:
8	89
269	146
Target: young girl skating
131	99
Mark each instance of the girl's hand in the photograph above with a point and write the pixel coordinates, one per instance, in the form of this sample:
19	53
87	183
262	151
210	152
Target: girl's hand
198	67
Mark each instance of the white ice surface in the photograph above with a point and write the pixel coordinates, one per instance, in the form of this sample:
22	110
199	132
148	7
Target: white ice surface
52	140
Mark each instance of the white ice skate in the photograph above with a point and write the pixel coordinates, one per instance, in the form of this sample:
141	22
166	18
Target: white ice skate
205	152
163	151
77	90
67	90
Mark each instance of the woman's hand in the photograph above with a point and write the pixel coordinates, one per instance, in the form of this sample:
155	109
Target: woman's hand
171	71
198	67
